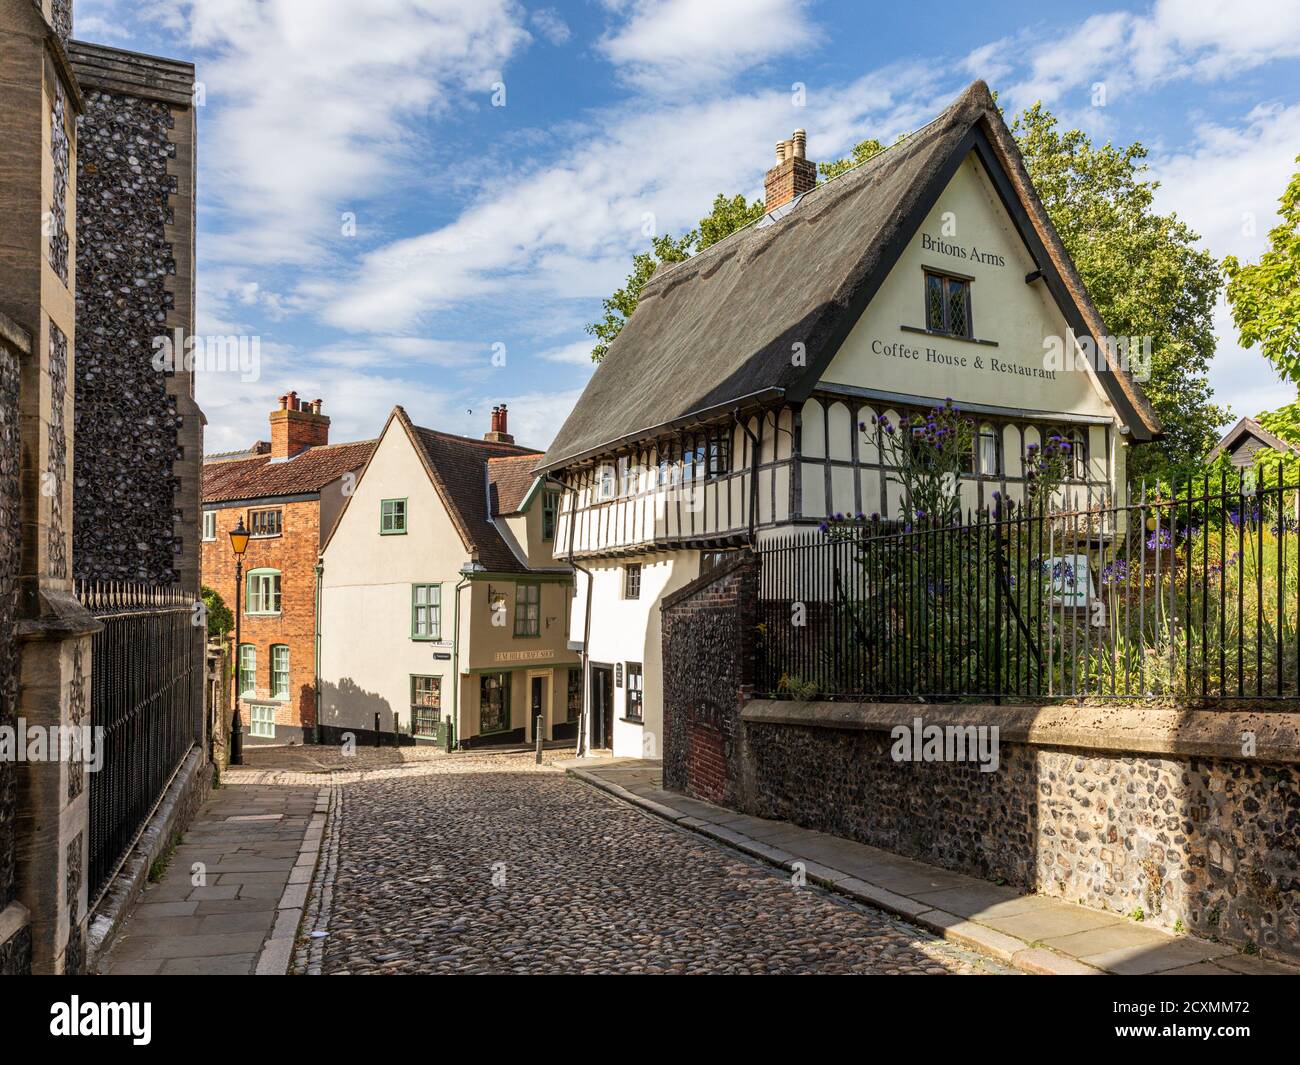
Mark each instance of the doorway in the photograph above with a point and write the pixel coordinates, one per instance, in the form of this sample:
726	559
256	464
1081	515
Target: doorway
602	707
537	705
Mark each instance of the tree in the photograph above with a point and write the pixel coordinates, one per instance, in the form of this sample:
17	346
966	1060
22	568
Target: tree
618	308
862	151
727	216
220	619
1265	297
1143	271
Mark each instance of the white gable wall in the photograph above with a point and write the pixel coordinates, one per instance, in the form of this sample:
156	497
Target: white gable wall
367	656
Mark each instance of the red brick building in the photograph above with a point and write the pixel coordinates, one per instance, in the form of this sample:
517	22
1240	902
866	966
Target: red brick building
289	494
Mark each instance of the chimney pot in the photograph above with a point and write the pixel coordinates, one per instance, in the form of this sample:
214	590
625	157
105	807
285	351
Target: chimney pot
297	426
793	174
499	433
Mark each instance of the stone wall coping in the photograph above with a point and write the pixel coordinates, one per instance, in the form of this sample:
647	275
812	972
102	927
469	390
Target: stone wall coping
15	335
13	919
1136	730
744	557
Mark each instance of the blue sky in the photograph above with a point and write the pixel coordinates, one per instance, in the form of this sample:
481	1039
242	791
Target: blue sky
485	230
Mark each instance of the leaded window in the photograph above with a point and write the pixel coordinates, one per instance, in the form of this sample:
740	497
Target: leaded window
947	305
632	580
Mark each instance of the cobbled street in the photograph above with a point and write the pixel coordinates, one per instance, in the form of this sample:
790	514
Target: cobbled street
492	864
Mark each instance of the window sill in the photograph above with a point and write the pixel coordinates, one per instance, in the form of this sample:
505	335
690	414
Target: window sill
263	613
393	532
947	336
633	720
427	639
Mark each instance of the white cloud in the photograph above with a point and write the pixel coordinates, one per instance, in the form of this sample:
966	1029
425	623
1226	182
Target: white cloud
310	104
671	46
566	230
576	354
1226	186
1207	40
549	23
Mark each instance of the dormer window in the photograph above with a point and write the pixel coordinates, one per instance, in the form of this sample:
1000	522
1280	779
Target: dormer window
947	304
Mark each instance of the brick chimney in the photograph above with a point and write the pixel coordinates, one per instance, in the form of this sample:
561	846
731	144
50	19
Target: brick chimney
793	174
297	426
499	433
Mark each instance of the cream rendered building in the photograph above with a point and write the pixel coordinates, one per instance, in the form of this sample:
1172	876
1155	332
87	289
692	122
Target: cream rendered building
441	598
732	406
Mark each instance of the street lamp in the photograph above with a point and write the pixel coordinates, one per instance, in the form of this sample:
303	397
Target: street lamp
238	544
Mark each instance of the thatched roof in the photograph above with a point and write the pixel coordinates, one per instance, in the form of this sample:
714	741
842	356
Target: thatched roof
716	331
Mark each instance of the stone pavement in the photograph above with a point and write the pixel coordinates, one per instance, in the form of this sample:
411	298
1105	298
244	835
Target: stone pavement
1034	933
233	893
488	863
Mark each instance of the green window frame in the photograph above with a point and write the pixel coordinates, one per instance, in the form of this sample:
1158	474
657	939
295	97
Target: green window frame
247	670
392	517
261	721
262	593
280	671
528	610
426	705
494	703
550	514
426	611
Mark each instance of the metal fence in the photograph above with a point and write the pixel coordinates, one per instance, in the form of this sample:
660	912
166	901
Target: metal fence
1191	598
146	707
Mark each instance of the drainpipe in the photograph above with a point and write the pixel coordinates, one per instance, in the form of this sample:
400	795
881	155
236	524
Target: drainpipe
320	584
584	718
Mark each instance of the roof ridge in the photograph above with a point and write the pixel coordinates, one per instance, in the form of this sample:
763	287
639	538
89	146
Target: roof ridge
900	142
474	440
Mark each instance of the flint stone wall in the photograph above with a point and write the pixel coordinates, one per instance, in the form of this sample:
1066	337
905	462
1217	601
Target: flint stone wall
1119	808
10	541
1207	844
127	425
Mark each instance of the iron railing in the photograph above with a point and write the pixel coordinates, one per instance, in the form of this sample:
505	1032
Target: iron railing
146	708
1191	598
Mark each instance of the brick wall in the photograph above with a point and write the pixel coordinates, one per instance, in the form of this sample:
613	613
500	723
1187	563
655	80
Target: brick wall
707	648
294	553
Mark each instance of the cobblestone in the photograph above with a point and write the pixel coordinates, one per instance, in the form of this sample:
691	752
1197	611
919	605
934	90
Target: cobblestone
491	864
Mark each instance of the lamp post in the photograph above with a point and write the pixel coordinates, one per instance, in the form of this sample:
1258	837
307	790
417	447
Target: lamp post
238	543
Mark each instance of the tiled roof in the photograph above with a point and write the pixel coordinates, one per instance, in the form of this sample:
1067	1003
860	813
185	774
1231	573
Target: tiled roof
509	478
260	478
459	466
